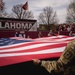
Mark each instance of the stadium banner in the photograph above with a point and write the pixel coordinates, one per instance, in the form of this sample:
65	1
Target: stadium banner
18	24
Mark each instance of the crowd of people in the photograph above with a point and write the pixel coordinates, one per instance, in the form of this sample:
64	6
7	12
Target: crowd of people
70	29
40	34
66	27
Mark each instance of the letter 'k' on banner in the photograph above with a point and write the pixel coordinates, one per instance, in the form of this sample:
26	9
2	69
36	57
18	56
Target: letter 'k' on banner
25	6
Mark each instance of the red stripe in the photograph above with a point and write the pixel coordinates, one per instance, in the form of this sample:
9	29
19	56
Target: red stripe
14	60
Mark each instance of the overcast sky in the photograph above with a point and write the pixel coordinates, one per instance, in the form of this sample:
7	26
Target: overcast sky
36	6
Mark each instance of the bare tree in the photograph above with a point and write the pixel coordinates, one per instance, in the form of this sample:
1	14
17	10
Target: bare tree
47	16
1	5
20	13
55	19
71	12
2	8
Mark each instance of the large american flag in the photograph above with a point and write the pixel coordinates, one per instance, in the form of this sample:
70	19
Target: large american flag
15	50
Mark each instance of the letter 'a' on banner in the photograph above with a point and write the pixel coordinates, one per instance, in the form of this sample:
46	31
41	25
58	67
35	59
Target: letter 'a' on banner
25	6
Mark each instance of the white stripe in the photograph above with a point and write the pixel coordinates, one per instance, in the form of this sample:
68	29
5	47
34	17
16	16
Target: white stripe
36	52
27	47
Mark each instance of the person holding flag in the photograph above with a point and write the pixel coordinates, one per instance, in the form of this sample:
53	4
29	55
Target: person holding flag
65	65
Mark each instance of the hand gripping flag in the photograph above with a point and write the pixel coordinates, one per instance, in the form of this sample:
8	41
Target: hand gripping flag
25	6
15	50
